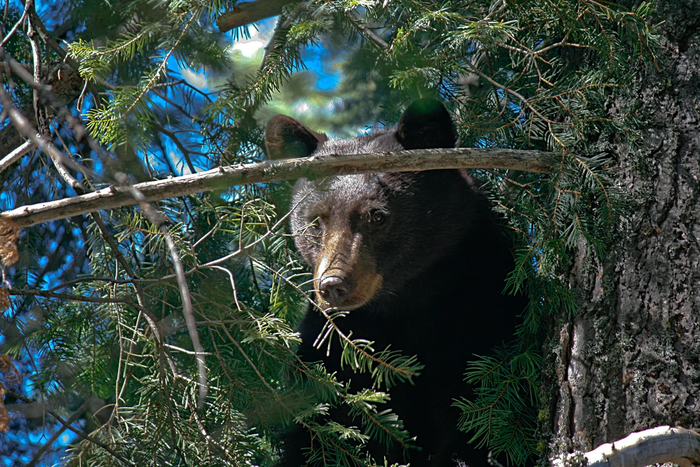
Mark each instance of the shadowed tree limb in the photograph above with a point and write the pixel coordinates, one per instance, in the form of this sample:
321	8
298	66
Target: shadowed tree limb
68	426
250	12
49	443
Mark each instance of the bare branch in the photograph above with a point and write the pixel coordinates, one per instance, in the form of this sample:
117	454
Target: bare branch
17	154
48	444
25	127
14	28
289	169
663	444
71	297
69	427
655	446
39	112
183	149
250	12
371	35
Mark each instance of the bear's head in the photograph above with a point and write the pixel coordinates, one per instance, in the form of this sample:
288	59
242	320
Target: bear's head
366	236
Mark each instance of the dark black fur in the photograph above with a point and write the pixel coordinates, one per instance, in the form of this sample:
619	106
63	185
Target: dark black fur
442	259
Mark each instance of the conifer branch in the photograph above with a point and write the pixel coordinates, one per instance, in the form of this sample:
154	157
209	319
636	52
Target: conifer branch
272	171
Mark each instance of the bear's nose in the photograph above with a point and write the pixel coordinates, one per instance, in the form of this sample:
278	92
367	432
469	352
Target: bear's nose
334	289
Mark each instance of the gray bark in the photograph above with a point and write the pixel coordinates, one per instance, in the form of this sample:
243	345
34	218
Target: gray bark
631	359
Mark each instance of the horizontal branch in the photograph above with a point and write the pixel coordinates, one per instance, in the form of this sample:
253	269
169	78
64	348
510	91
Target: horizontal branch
65	296
250	12
288	169
658	445
663	444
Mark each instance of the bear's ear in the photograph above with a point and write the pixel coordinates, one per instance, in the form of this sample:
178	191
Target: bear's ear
286	138
426	124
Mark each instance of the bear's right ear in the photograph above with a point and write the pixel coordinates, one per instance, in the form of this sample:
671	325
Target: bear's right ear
426	124
286	138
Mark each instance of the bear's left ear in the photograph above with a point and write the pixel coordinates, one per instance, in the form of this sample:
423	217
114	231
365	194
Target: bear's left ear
426	124
286	138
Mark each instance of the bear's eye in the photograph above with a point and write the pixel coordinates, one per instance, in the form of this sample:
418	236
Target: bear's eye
314	227
376	217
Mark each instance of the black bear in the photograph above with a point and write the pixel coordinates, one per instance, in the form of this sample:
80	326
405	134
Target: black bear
419	261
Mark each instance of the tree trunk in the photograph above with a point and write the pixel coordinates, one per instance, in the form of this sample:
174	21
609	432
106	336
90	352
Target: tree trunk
631	356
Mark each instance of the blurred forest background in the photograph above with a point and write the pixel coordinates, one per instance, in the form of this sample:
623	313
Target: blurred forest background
130	337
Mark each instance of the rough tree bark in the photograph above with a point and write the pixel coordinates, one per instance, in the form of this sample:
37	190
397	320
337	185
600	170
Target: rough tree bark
631	359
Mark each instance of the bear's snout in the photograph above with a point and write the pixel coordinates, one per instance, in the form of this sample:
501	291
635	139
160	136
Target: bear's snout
334	289
346	275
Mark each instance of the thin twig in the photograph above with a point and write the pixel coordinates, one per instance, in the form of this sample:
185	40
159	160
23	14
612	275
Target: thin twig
173	137
65	296
49	442
371	35
69	427
159	221
14	28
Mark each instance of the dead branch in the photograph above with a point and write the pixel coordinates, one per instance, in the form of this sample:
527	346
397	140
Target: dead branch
66	296
250	12
48	444
657	445
289	169
663	444
66	85
68	426
16	154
